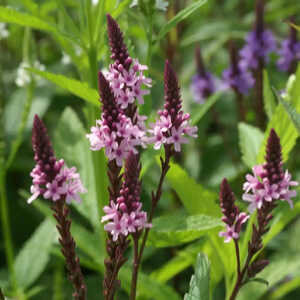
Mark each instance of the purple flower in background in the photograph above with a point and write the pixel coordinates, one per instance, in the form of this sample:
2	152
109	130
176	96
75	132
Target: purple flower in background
203	83
238	79
269	182
258	46
259	43
126	216
172	127
289	52
51	179
203	86
231	215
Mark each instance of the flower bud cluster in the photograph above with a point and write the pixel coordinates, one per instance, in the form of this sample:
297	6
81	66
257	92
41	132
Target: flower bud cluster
231	215
172	127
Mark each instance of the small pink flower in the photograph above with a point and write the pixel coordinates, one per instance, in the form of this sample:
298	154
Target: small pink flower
52	191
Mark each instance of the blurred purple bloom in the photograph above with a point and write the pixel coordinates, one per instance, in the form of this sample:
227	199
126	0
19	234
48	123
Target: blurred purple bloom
240	80
289	53
203	86
258	46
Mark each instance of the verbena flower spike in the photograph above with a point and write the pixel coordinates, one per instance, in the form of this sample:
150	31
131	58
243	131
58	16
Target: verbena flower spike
268	184
289	52
203	83
54	181
259	43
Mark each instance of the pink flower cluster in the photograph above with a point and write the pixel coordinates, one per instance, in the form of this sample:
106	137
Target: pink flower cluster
127	84
118	141
66	184
258	188
233	231
163	131
121	221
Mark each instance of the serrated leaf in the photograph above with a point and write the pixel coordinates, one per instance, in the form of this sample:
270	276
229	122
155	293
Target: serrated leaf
269	99
282	123
179	229
195	198
76	87
35	254
295	117
183	14
250	139
199	284
203	108
71	145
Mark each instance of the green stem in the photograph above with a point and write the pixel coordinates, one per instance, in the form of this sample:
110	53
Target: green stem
8	245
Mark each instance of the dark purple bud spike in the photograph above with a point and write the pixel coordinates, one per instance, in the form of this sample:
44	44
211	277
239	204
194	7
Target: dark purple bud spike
117	46
172	92
227	198
273	158
42	147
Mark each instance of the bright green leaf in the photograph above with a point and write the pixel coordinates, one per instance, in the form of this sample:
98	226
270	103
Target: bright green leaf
282	123
34	256
183	14
195	198
178	229
295	117
269	99
250	139
80	89
199	284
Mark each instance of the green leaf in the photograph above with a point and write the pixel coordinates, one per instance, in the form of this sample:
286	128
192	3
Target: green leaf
203	108
269	99
148	288
177	264
282	123
9	15
35	254
199	284
195	198
295	117
78	88
250	139
175	230
183	14
71	145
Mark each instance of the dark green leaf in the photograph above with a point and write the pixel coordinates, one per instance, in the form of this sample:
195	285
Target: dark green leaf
203	108
35	254
175	230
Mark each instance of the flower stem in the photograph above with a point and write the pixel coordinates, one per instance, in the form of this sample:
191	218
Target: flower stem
61	212
165	166
237	252
135	267
259	84
8	245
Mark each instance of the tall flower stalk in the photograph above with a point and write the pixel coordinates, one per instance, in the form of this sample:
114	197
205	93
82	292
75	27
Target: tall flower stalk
53	180
121	131
268	184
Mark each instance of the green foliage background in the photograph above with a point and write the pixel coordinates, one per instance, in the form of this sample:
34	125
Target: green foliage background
188	216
